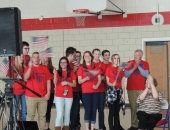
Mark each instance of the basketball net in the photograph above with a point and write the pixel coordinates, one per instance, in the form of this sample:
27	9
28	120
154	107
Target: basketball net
81	16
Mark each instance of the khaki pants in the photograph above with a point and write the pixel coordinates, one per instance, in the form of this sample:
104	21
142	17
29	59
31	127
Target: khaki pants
41	105
133	95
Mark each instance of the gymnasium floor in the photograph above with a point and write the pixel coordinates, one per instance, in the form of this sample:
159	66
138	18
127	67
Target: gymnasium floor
125	121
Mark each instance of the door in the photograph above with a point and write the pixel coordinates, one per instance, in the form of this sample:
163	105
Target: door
157	57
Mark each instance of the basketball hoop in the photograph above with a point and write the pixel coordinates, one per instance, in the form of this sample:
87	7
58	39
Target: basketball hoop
80	16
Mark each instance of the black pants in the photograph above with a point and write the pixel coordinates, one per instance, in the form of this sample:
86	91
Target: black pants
49	106
74	114
114	110
79	124
147	121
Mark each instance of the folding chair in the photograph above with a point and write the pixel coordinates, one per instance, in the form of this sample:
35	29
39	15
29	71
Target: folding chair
164	123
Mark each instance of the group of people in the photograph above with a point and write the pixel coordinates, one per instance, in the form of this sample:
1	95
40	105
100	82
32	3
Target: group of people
93	82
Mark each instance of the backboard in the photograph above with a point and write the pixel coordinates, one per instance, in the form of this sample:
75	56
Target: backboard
91	5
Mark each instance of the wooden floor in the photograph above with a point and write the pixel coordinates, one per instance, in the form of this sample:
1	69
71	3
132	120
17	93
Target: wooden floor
125	121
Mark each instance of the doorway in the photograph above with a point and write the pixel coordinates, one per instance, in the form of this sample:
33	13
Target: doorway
157	57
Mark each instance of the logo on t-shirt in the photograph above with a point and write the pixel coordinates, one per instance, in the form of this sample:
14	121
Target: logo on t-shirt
61	79
142	65
39	79
136	72
38	76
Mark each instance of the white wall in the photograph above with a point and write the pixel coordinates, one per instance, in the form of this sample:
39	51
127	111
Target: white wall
56	8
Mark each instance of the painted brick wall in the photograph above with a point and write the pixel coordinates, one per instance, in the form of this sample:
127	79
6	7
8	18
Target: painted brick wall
121	40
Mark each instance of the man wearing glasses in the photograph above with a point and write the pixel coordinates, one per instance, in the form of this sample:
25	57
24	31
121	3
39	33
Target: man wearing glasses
25	49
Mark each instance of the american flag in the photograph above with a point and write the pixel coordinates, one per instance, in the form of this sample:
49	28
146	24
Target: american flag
124	65
47	53
4	66
75	62
91	73
39	41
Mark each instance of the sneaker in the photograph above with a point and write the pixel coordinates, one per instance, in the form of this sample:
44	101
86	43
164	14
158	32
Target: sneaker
132	128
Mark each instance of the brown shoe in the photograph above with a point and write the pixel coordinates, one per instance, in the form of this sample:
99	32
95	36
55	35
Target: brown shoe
66	127
58	128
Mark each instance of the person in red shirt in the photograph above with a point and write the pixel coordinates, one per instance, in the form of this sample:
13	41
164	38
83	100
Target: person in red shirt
115	92
107	63
106	58
17	70
89	77
74	121
136	73
38	79
48	62
25	50
101	90
79	91
64	79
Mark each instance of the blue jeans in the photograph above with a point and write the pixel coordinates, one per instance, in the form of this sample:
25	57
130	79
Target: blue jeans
21	99
63	108
90	101
74	115
101	109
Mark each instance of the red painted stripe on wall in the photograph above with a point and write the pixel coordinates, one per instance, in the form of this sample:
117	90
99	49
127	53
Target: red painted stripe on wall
139	19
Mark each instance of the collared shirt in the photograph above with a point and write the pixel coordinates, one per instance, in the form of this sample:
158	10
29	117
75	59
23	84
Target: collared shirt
149	104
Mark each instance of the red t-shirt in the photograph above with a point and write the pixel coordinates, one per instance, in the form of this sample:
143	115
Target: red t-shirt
78	86
38	80
100	66
71	66
106	66
26	59
136	81
17	88
113	72
87	86
60	88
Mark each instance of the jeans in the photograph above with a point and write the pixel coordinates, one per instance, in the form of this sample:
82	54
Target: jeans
101	109
147	121
49	106
90	101
74	115
21	99
63	108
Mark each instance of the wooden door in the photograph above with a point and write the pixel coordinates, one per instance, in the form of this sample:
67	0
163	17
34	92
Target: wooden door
156	56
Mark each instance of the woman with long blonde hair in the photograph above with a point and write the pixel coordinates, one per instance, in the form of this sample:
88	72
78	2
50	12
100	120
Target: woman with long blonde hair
17	72
115	92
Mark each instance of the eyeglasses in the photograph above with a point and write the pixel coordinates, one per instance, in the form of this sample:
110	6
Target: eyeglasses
26	48
63	62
